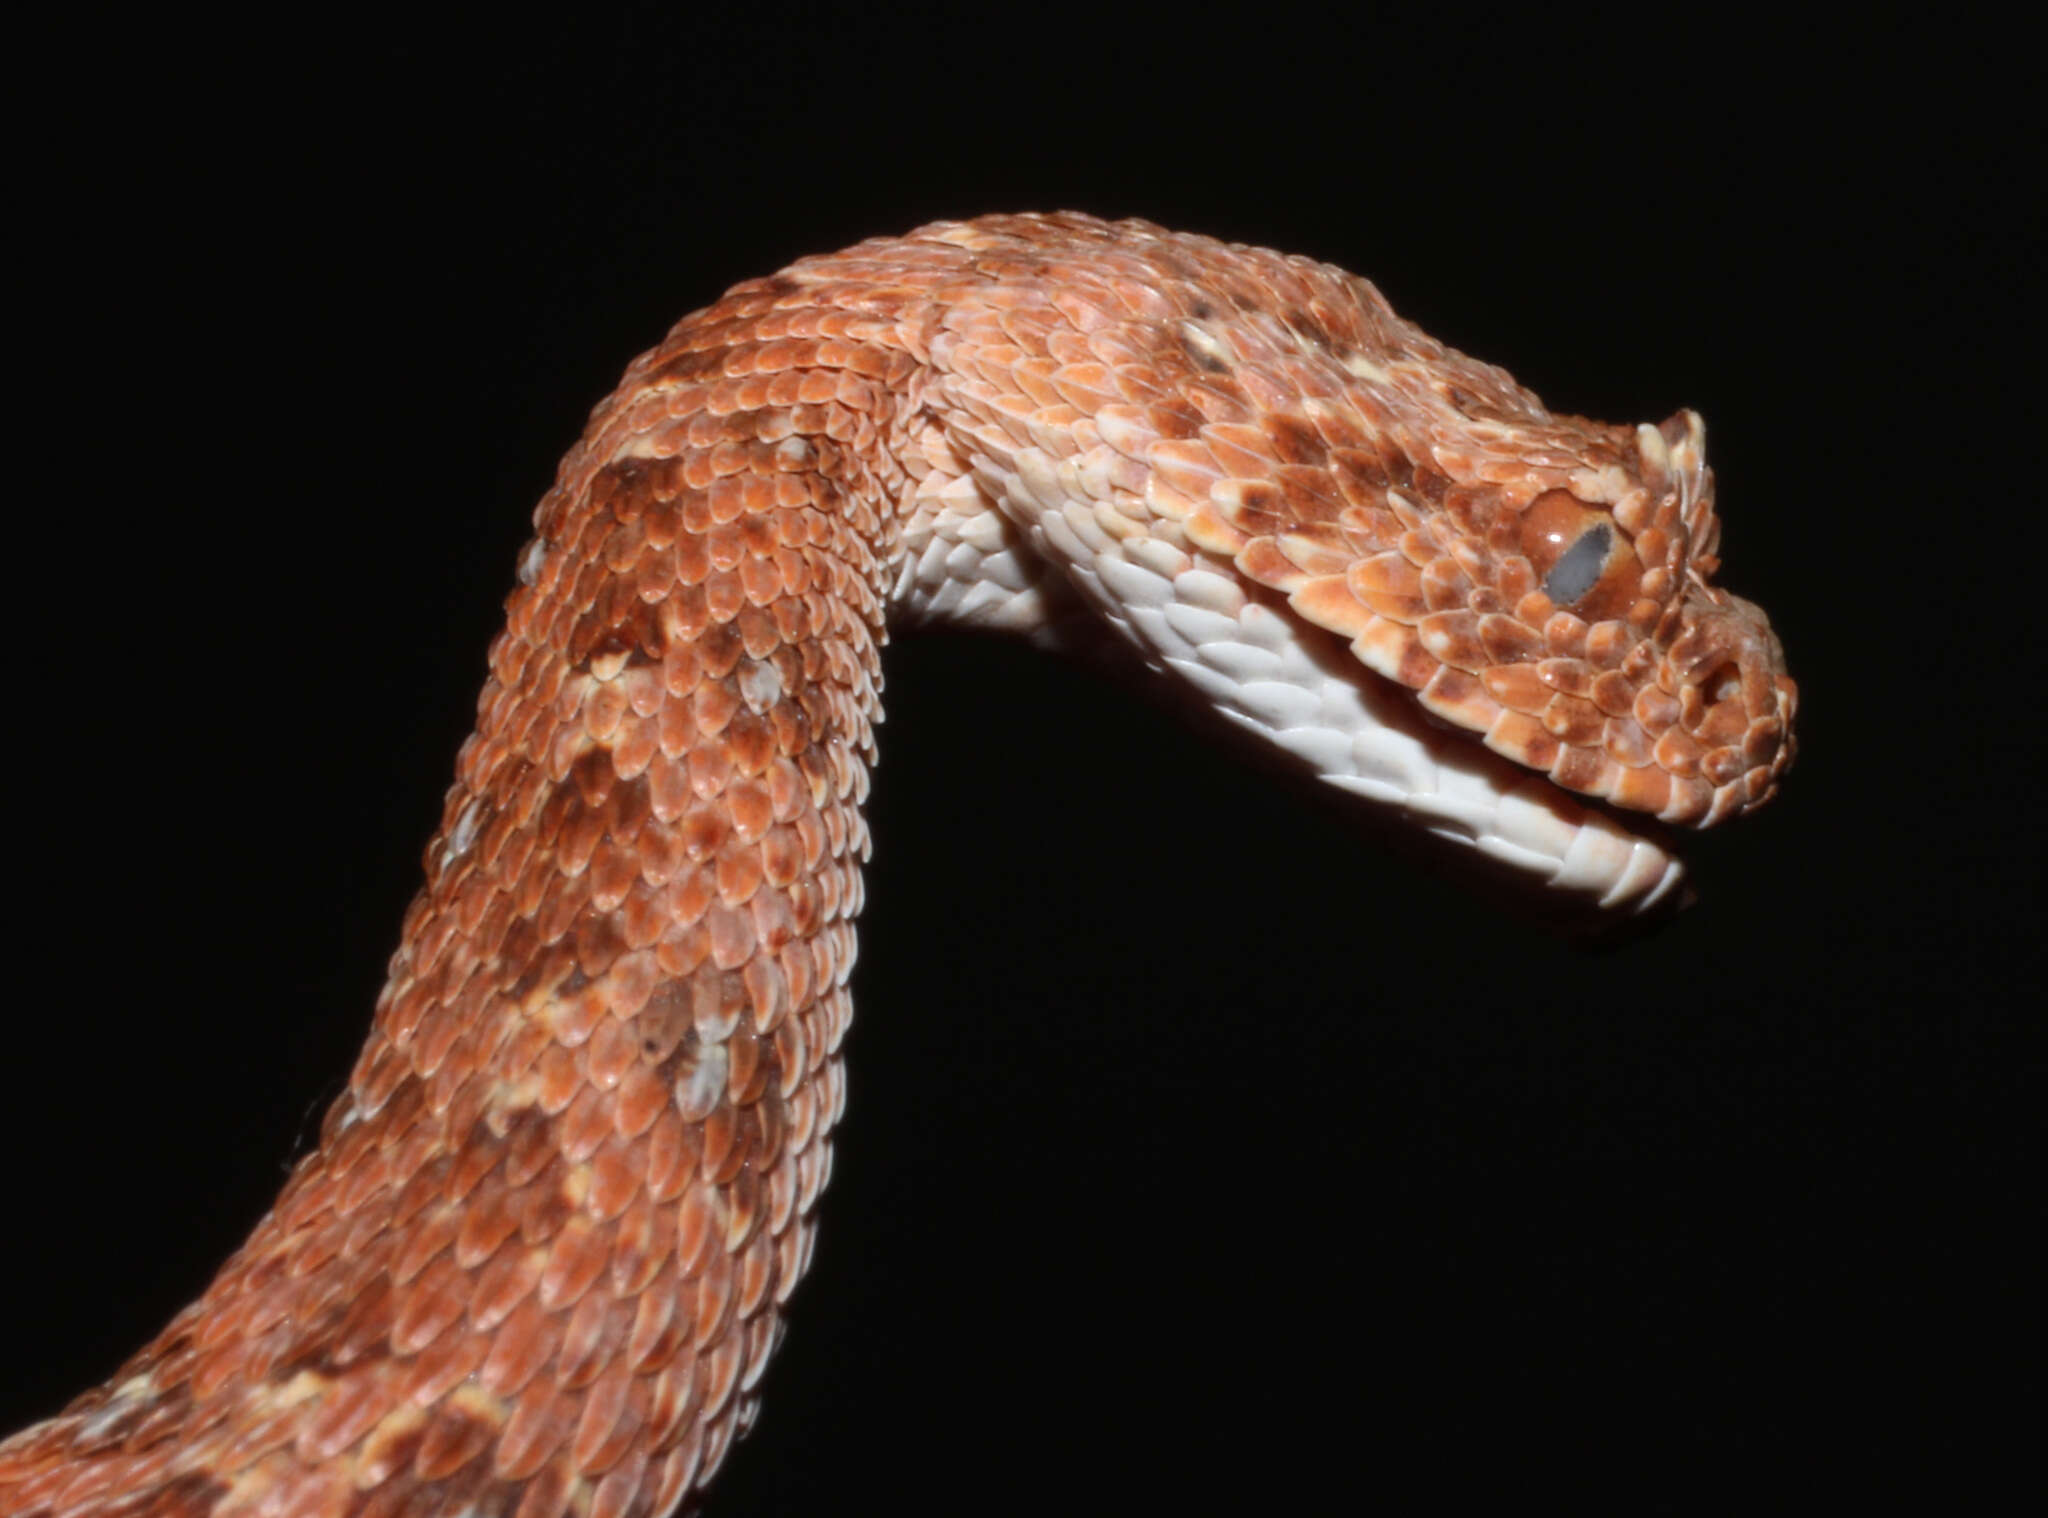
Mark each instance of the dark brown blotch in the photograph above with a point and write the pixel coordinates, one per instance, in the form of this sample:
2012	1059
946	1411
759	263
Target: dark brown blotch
1305	324
593	775
1362	475
350	1334
1296	441
703	363
1262	509
600	939
192	1495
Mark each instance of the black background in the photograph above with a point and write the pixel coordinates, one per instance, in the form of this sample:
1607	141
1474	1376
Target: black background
1199	1156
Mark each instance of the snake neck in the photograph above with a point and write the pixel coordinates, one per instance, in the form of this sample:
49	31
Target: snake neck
550	1221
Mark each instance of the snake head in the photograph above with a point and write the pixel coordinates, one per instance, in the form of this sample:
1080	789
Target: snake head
1221	430
1606	657
1544	582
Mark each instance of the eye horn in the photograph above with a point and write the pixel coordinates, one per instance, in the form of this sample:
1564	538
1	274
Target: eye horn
1583	561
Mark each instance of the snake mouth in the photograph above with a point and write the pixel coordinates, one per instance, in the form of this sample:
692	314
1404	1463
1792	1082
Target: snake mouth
1429	784
1559	855
1568	865
1682	714
1618	812
1303	706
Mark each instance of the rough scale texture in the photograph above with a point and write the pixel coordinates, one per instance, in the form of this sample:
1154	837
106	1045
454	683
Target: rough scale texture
538	1262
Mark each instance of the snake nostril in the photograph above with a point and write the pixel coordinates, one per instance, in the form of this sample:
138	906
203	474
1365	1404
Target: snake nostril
1721	683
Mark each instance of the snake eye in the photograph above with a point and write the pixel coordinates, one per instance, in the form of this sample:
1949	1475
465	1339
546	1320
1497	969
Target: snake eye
1578	570
1585	563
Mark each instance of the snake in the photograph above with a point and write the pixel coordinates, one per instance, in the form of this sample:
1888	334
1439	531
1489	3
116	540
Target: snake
539	1260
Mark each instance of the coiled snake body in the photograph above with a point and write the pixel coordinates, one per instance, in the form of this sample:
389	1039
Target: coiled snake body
538	1262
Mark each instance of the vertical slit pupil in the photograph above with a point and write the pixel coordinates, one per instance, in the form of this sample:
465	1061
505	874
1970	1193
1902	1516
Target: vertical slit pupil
1578	568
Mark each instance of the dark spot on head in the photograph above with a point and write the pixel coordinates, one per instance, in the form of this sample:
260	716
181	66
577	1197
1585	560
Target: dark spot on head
608	644
700	364
592	773
393	1449
548	1208
354	1332
1242	294
719	649
621	477
632	801
1304	324
1307	493
1360	470
1472	508
1295	441
600	939
529	1145
1471	405
1201	310
1399	468
1262	509
650	643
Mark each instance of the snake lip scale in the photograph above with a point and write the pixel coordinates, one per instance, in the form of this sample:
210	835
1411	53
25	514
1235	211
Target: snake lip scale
539	1260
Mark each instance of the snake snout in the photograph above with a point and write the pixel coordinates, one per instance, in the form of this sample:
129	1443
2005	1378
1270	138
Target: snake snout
1735	701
